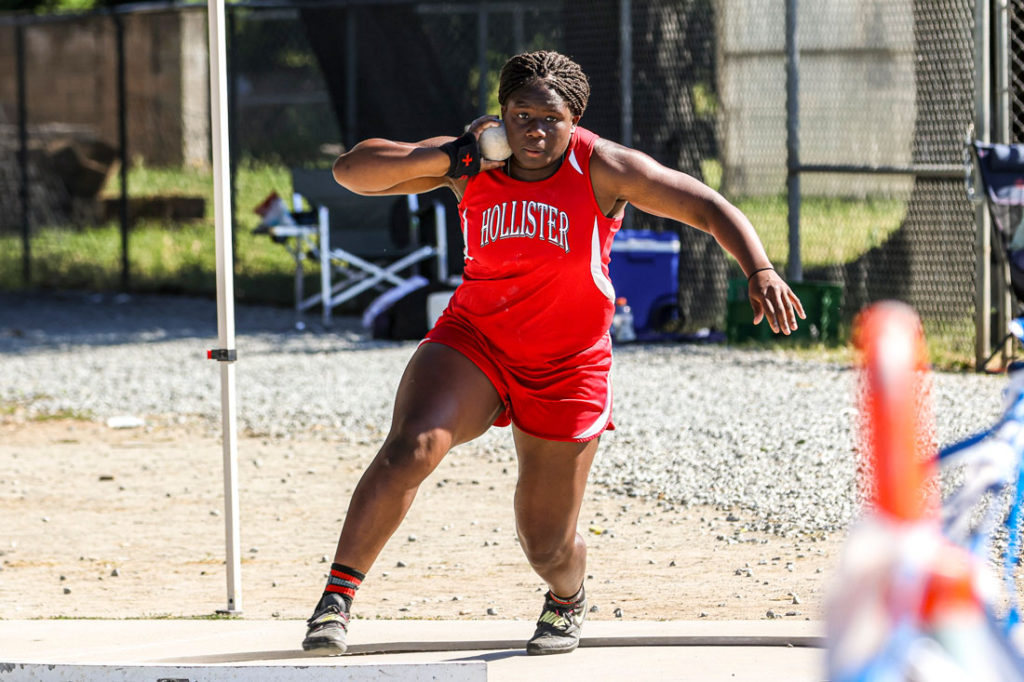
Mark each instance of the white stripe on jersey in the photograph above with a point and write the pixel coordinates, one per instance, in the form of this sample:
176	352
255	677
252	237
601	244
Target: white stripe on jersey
604	285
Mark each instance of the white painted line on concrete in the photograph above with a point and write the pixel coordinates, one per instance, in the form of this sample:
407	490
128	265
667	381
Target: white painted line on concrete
462	671
585	642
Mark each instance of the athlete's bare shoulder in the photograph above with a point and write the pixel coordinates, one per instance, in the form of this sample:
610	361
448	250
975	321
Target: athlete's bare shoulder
614	168
615	159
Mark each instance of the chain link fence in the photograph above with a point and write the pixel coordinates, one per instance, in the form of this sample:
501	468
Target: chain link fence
886	94
1015	52
886	100
85	98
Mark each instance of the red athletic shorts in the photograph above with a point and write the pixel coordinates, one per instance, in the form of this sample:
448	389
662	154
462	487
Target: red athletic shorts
568	400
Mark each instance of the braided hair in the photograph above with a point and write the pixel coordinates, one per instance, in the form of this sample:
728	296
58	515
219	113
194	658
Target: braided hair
555	70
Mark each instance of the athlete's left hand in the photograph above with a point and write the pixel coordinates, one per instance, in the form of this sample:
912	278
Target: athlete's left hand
771	298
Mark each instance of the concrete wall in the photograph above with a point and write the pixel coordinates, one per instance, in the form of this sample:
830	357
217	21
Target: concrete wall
857	93
72	79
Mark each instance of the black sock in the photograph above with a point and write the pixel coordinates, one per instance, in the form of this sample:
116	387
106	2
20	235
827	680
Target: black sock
568	600
342	584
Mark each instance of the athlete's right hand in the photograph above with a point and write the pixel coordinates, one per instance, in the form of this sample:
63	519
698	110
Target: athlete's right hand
464	157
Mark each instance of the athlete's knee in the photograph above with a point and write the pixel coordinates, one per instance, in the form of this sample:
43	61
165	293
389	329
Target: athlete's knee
413	454
545	551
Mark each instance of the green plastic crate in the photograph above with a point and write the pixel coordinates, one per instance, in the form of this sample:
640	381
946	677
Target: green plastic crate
822	302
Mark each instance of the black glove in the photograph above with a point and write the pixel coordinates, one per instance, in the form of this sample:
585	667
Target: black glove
464	156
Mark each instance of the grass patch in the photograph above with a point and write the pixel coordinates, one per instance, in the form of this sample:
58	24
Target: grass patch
711	170
63	414
950	344
217	615
181	257
832	230
162	257
19	409
144	181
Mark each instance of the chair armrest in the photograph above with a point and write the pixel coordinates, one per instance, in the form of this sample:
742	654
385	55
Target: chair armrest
292	230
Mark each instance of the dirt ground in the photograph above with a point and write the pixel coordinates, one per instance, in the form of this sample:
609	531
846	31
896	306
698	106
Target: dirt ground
129	523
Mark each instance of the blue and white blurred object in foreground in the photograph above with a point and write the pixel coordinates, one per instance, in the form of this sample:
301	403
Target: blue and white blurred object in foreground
913	598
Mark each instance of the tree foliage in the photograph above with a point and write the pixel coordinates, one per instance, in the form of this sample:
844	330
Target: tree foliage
55	6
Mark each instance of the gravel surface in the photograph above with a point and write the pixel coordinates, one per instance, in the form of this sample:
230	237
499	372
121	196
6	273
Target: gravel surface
768	432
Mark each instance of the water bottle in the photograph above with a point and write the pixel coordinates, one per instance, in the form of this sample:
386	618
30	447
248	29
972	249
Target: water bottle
623	330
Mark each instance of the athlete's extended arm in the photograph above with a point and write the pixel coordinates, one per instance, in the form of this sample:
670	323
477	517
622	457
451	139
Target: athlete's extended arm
379	166
628	175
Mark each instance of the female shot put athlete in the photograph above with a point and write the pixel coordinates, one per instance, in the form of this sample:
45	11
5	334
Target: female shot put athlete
525	338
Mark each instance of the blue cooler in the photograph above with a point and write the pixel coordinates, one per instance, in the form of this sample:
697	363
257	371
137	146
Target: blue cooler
644	268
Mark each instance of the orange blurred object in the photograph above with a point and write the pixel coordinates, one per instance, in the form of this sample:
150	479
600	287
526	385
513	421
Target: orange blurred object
896	431
949	590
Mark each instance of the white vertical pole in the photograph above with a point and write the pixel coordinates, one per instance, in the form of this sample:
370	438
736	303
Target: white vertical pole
324	222
225	298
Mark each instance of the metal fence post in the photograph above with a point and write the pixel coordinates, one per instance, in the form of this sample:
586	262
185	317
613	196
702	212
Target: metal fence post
122	137
1001	21
1001	26
23	195
626	84
982	109
794	265
481	58
351	72
626	69
519	41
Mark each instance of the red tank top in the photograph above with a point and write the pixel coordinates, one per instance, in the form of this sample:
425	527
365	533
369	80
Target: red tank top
536	280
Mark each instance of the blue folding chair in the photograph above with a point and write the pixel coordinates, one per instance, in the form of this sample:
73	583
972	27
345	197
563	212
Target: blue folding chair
998	170
1001	177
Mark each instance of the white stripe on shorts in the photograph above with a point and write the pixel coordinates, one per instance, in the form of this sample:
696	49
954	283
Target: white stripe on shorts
602	421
